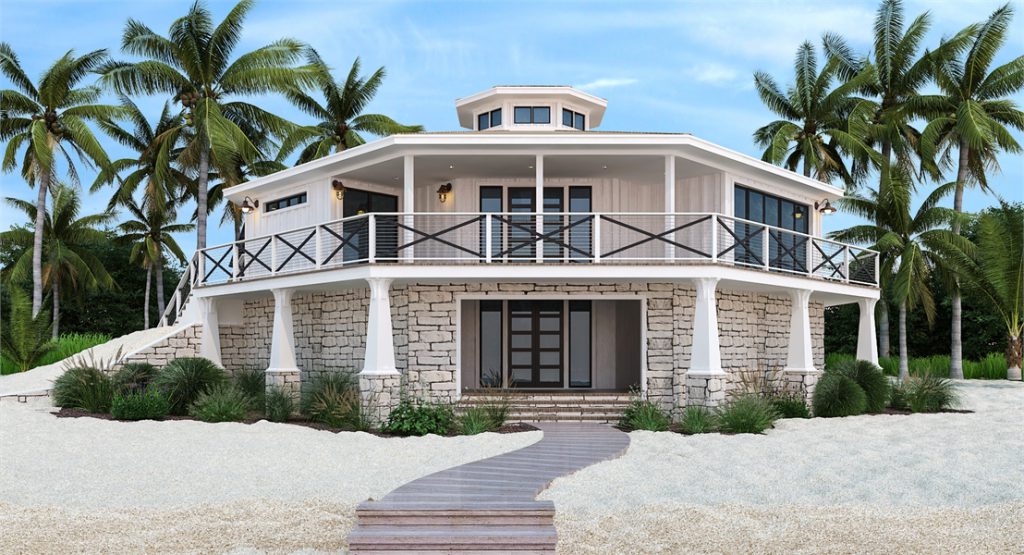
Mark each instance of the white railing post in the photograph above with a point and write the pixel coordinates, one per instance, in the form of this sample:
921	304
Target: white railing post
235	264
177	304
273	255
714	238
488	236
878	277
201	267
318	252
846	263
597	238
373	237
766	238
810	255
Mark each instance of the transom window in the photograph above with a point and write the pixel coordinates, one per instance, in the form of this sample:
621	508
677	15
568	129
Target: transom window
488	120
285	202
533	114
572	119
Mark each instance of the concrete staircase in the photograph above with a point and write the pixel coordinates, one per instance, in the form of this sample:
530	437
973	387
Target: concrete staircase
554	406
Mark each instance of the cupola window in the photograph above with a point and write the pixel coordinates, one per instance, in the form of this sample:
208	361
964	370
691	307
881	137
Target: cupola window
533	114
488	120
572	119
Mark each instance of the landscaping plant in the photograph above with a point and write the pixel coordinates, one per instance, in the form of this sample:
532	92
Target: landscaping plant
221	403
253	383
836	394
83	387
134	377
870	378
642	414
334	399
790	405
475	420
412	418
930	393
279	404
992	367
148	404
746	414
697	420
184	379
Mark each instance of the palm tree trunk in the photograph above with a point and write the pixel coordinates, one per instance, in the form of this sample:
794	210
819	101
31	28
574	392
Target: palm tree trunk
160	303
1013	357
904	358
956	358
56	308
145	306
883	328
204	169
43	187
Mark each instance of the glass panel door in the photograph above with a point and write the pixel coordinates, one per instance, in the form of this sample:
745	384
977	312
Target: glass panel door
363	202
582	233
535	343
520	243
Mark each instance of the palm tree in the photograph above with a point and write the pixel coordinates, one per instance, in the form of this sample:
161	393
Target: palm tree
341	118
995	267
911	245
50	120
150	234
69	265
232	212
25	338
971	116
193	63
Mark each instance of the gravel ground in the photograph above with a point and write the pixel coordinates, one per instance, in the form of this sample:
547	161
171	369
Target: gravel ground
943	483
946	483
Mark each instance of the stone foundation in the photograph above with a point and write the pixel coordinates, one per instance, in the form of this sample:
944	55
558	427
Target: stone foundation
802	383
705	390
183	344
288	380
380	394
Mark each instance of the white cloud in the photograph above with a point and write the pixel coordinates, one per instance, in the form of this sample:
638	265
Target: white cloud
607	83
713	73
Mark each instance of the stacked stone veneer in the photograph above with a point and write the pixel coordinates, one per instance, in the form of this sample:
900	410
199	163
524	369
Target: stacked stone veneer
184	343
330	330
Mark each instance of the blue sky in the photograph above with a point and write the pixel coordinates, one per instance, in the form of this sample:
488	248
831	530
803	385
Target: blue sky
672	66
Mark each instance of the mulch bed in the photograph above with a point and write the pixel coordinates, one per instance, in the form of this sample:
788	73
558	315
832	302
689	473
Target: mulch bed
254	418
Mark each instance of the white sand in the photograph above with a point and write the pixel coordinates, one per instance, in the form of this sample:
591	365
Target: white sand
947	483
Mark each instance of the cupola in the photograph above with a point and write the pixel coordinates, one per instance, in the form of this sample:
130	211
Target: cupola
531	109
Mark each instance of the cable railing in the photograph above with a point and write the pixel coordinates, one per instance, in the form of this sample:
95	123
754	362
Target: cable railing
536	238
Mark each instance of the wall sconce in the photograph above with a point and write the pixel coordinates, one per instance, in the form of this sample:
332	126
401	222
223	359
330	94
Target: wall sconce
442	192
339	189
825	207
248	205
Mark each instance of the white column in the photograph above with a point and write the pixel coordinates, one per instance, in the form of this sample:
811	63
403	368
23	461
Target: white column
800	357
209	340
706	353
539	204
282	342
408	197
380	343
670	204
867	348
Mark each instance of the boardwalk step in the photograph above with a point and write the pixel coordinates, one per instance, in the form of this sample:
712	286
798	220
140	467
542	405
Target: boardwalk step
453	539
392	515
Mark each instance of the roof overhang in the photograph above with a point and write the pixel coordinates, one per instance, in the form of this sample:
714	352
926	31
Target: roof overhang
468	106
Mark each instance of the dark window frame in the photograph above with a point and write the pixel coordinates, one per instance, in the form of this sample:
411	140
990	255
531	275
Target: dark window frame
533	120
779	245
499	307
487	120
572	308
286	202
577	120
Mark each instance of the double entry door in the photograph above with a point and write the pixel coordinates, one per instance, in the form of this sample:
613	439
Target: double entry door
359	202
566	237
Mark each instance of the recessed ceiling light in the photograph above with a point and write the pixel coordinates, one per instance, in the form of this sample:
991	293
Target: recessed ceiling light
396	178
451	166
531	167
605	167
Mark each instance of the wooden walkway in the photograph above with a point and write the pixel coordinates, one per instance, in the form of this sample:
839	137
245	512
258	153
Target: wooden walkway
487	505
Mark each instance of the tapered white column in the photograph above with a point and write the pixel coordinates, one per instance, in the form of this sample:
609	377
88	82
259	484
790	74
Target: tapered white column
282	342
706	354
209	339
380	343
539	204
670	204
800	357
408	204
867	348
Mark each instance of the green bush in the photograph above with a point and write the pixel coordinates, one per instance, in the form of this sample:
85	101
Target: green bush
85	388
930	393
149	404
220	403
898	396
697	420
70	344
642	414
475	420
870	378
279	404
890	365
253	383
746	414
134	377
838	395
411	418
184	379
992	367
832	360
334	399
790	405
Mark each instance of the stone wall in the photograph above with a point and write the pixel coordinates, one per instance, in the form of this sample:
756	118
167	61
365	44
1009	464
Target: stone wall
185	343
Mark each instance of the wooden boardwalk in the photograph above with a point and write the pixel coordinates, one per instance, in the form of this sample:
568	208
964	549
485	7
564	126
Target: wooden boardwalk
487	505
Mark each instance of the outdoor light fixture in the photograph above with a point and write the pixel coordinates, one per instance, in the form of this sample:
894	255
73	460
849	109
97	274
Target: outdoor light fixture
248	205
339	189
442	192
825	207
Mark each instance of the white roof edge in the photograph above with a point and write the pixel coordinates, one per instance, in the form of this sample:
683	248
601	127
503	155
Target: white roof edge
538	140
530	90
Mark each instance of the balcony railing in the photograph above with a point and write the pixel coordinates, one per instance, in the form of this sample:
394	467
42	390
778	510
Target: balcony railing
531	238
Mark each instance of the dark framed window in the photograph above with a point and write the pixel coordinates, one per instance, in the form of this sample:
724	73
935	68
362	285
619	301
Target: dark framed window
285	202
490	201
491	318
488	120
787	248
572	119
532	114
582	233
580	333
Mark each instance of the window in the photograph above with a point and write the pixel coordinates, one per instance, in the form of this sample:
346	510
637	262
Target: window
532	114
490	343
490	201
285	202
487	120
572	119
786	249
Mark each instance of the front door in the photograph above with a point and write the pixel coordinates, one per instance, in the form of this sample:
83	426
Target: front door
363	202
535	343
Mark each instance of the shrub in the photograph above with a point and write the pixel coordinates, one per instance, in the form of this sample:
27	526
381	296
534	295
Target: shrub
838	395
411	418
279	404
496	408
253	383
870	378
148	404
992	367
83	387
134	377
184	379
832	360
790	405
334	400
890	365
220	403
642	414
71	344
697	420
746	414
930	393
898	396
475	420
